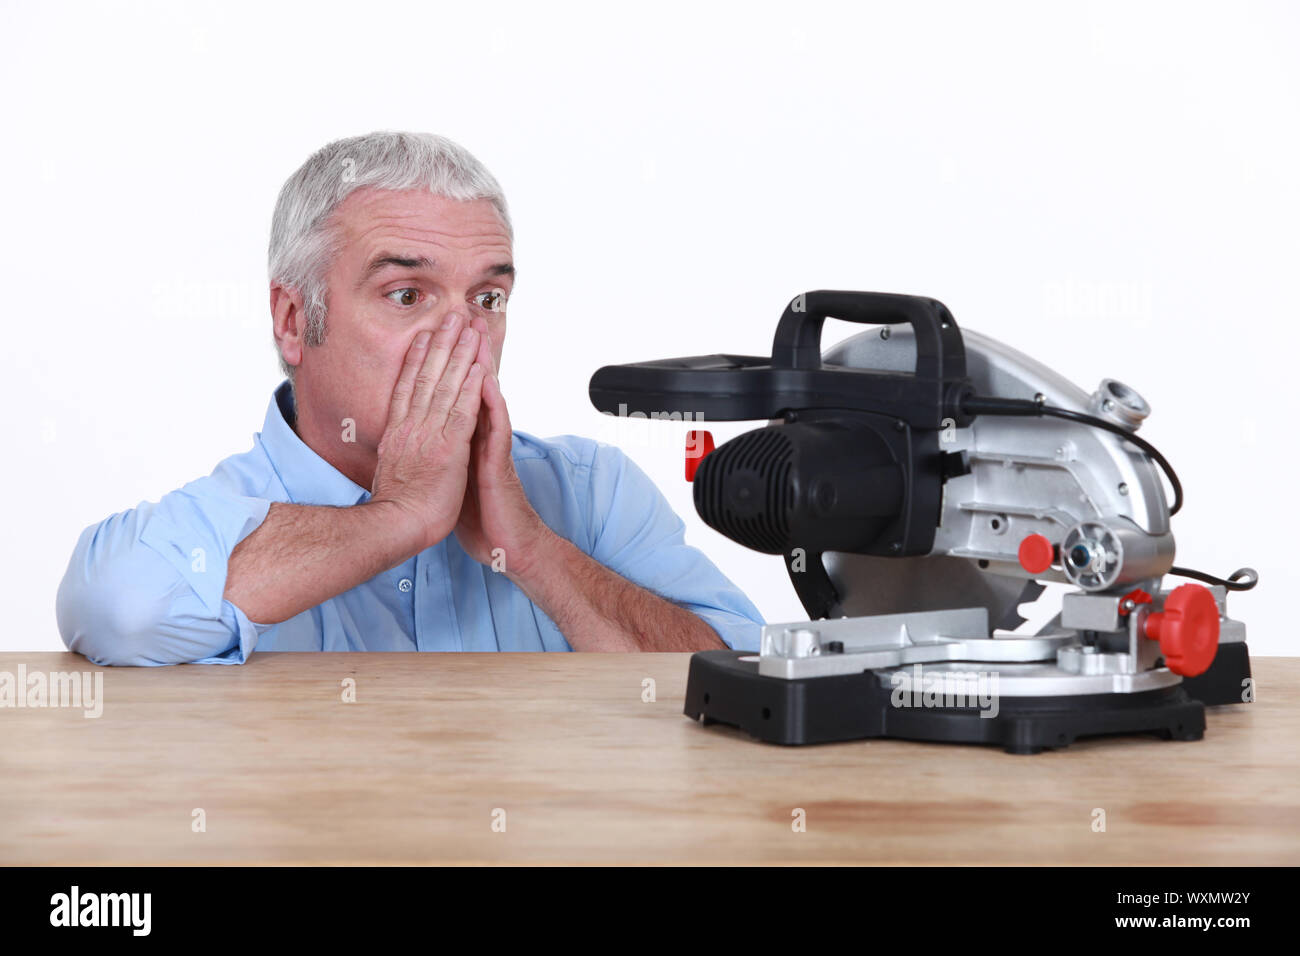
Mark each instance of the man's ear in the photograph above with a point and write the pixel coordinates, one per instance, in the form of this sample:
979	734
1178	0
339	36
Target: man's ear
289	321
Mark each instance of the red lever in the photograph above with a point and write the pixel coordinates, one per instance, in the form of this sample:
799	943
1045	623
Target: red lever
698	444
1137	596
1187	629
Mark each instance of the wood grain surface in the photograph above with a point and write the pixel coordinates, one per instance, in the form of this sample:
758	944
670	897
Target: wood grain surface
586	771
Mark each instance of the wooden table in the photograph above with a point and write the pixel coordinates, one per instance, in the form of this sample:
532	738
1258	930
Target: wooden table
418	769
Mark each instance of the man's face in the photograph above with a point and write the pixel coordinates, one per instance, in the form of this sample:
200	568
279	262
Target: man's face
409	260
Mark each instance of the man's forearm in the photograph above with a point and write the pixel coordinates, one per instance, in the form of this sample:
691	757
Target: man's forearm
302	555
596	609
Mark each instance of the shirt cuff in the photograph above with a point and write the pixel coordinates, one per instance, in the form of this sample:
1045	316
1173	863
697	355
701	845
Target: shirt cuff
248	632
738	633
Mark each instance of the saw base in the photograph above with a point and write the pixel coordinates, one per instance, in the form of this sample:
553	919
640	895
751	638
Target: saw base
725	687
1228	679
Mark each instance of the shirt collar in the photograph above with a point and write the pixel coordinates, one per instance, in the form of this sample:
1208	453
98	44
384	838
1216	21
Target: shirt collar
307	477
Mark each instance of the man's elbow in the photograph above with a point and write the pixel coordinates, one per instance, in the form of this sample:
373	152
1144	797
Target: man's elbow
107	620
128	612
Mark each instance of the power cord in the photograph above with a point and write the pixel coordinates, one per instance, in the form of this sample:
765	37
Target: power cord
975	405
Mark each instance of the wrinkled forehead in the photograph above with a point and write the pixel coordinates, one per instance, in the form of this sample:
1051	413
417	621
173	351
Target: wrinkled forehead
422	223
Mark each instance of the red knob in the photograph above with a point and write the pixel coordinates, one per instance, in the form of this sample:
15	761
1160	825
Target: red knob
1036	553
698	444
1187	629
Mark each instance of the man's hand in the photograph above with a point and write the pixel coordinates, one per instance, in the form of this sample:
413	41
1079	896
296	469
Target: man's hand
423	456
595	608
302	555
496	512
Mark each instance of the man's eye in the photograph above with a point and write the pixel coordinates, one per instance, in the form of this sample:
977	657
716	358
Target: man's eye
408	296
495	300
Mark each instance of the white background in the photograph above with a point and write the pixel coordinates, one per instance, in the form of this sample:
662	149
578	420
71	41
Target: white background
1111	189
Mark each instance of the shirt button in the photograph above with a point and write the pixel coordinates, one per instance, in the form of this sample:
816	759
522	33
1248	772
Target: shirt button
404	585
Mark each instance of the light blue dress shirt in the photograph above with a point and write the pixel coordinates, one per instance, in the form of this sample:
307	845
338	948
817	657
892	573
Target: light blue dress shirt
146	586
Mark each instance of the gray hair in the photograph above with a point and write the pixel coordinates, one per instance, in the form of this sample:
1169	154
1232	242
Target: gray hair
304	239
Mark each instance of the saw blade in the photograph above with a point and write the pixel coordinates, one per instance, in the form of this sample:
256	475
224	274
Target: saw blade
874	585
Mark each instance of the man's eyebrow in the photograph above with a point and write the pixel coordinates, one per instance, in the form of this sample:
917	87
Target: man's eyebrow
386	259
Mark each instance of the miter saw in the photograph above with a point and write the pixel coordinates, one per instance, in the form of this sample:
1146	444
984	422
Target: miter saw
921	484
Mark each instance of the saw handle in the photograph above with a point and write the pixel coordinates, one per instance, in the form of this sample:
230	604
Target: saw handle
939	350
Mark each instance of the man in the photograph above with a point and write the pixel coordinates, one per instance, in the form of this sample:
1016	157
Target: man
387	504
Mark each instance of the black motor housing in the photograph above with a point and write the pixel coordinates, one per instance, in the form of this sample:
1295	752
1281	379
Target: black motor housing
853	463
820	485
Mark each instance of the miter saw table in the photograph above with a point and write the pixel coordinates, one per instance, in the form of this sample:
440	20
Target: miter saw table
921	484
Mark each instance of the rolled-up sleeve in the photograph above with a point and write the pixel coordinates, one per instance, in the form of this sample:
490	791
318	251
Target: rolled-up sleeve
145	586
638	535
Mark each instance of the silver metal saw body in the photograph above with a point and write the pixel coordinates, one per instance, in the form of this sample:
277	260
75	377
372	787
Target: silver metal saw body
1066	481
1027	476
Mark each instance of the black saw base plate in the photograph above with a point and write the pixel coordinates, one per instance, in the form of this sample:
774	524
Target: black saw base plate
1228	679
724	688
